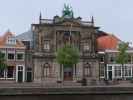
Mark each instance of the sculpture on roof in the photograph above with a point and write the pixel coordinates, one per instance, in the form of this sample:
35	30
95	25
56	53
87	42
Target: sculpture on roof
67	11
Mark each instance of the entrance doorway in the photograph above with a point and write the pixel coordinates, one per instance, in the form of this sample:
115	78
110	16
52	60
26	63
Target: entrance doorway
110	75
29	75
68	73
20	74
109	72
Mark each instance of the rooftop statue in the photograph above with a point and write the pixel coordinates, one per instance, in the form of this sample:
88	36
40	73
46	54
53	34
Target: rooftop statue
67	11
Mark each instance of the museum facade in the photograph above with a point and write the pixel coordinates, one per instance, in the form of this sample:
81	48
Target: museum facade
98	51
49	35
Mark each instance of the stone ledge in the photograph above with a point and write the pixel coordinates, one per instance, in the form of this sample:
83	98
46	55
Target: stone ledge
81	90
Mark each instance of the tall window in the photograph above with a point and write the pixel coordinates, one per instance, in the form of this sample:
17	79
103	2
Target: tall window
101	58
118	71
127	71
46	45
10	72
102	70
20	56
86	47
46	70
11	56
87	70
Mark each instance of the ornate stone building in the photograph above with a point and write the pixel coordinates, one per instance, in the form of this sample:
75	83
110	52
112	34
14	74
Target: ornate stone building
98	51
52	34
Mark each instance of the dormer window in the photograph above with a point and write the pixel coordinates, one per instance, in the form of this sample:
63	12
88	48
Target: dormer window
11	40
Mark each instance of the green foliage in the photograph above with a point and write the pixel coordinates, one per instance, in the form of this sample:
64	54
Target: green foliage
67	55
2	61
122	57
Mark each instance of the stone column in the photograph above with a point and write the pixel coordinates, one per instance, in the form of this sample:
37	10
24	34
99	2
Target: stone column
37	71
95	71
79	71
58	71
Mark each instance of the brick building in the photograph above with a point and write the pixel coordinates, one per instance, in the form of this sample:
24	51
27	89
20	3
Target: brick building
13	51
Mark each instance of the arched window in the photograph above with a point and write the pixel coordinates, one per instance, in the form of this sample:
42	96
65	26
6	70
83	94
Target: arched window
46	70
87	69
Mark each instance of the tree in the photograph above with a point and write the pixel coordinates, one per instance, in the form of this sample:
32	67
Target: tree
122	57
2	61
67	56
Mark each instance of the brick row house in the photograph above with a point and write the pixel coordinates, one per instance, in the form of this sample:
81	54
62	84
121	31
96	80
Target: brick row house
108	52
13	51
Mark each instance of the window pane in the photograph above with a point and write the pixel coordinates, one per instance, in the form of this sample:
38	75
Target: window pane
10	72
118	71
127	70
109	67
87	69
10	56
102	70
20	68
46	45
20	56
1	73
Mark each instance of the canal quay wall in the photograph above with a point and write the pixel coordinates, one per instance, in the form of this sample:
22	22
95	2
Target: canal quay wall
82	93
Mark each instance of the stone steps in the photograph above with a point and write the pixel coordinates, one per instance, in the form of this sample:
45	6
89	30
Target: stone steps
70	83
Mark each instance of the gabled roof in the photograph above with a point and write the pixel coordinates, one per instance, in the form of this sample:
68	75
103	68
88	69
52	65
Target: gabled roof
26	36
4	38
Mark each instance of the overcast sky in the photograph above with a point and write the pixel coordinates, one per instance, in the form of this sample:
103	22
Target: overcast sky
113	16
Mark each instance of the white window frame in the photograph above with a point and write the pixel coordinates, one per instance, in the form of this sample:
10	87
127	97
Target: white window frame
127	76
113	71
11	53
22	58
117	77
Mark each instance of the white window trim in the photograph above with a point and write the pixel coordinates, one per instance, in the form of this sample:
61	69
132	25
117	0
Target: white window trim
130	70
23	56
113	72
117	77
11	59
